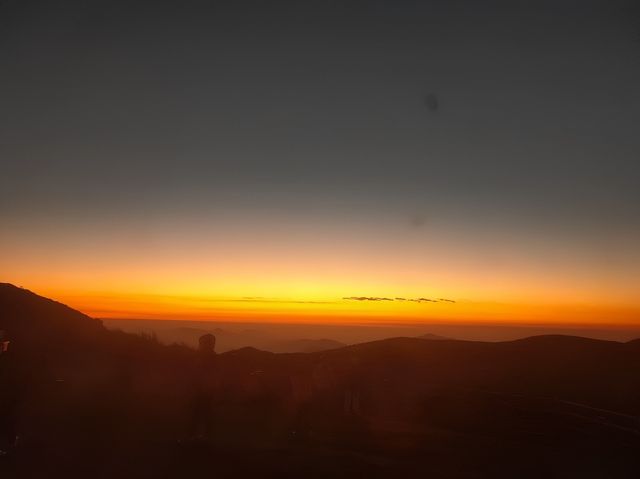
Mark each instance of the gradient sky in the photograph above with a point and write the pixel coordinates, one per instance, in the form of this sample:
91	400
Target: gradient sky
249	160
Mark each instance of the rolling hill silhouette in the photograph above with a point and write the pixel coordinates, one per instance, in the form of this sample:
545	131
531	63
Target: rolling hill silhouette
557	406
24	311
435	337
35	323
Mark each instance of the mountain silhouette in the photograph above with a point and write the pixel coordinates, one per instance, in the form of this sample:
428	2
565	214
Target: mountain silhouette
447	408
435	337
34	322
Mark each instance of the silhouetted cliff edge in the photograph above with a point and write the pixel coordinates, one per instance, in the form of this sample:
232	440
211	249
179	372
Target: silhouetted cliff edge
32	321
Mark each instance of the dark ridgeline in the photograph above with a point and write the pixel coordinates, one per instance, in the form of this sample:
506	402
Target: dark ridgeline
87	402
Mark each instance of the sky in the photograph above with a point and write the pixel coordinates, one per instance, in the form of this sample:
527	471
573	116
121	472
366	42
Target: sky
324	161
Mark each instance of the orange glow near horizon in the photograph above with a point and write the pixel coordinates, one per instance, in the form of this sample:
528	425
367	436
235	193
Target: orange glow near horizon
306	305
301	272
339	310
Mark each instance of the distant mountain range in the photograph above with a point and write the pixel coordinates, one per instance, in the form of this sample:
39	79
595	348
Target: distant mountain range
227	340
304	345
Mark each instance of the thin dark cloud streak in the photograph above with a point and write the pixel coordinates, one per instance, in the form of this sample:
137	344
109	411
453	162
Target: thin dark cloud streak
398	299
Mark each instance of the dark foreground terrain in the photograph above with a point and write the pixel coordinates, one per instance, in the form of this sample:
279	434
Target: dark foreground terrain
86	402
